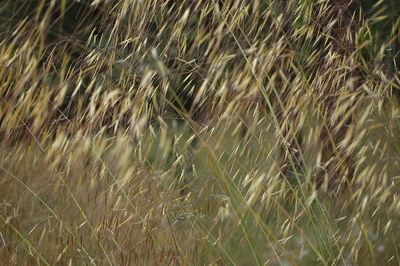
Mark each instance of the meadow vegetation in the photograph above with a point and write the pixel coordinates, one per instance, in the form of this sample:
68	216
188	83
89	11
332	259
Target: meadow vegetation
221	132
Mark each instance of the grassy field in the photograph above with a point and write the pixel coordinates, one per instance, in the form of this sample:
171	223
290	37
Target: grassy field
199	132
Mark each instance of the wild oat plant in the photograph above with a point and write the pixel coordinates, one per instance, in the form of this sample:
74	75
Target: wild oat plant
192	132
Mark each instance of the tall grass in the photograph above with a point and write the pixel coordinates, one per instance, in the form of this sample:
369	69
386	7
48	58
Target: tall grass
199	132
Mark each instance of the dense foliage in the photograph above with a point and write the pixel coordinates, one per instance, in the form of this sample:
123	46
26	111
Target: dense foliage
199	132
